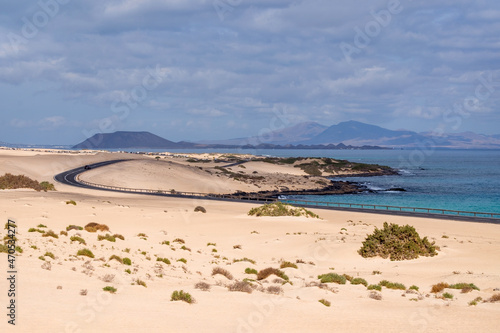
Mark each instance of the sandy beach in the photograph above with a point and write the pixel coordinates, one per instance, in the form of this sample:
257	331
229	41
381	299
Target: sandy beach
65	293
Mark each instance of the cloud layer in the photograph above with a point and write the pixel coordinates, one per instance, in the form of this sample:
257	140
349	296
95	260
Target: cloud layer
224	68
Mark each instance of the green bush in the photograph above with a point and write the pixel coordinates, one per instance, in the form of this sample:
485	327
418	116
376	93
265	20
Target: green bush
141	283
245	259
107	237
71	202
465	287
182	260
397	243
281	209
181	296
392	285
359	281
36	230
41	226
414	287
49	254
332	277
374	287
73	227
85	252
250	271
448	295
286	264
110	289
78	239
324	302
127	261
164	260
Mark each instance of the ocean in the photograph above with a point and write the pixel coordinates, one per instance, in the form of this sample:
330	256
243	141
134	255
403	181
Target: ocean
465	180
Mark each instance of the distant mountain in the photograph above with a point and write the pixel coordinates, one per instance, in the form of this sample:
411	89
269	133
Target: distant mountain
358	134
122	139
289	135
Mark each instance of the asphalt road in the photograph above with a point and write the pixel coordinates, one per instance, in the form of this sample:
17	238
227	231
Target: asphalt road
69	178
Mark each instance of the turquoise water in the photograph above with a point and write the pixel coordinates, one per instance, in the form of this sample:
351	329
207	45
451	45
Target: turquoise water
466	180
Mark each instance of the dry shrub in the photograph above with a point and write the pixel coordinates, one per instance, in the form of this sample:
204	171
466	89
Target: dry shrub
270	271
222	271
375	295
437	288
277	290
202	286
83	292
108	277
47	265
494	298
200	209
10	181
242	286
94	227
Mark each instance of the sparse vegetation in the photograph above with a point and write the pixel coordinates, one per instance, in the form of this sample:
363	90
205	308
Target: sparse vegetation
250	271
242	286
183	247
281	209
262	274
359	281
276	290
332	277
475	301
375	295
448	295
117	258
494	298
397	243
245	259
85	252
182	260
179	240
392	285
200	209
50	233
41	226
437	288
139	282
413	287
63	233
10	182
211	244
374	287
71	202
36	230
202	286
165	243
237	247
286	264
163	260
465	287
78	239
107	237
50	255
222	271
325	302
73	227
182	296
110	289
94	227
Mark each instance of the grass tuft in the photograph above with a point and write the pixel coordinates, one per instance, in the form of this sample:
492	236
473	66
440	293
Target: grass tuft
262	274
222	271
182	296
392	285
85	252
110	289
286	264
163	260
325	302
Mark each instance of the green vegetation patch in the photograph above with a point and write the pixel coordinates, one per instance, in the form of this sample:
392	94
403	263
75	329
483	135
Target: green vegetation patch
180	295
397	243
332	277
281	209
392	285
85	252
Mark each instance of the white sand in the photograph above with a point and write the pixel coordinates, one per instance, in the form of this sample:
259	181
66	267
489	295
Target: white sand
469	254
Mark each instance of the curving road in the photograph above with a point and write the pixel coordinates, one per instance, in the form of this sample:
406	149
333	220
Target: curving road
70	178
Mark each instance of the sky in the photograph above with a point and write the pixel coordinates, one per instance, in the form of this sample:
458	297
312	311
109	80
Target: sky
217	69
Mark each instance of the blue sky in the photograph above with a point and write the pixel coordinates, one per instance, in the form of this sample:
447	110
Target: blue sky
215	69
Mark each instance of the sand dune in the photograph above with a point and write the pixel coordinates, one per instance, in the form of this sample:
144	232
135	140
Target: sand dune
51	300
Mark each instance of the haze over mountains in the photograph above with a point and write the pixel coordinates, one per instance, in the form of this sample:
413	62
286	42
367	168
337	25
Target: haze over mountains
356	133
345	135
